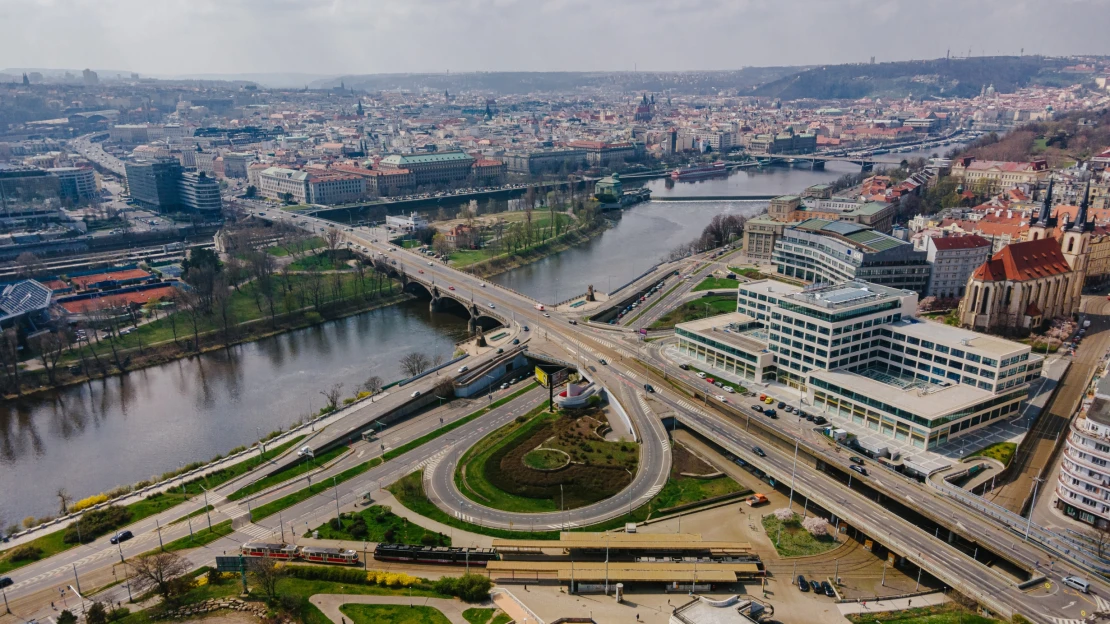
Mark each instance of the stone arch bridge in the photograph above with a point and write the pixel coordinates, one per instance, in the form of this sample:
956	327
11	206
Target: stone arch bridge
443	299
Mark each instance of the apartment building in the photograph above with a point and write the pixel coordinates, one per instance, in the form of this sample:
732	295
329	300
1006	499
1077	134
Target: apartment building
998	173
953	260
823	251
861	356
760	235
434	168
1083	487
153	183
277	182
335	188
76	184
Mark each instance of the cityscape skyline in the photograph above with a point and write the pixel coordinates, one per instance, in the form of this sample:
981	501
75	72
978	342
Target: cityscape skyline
245	37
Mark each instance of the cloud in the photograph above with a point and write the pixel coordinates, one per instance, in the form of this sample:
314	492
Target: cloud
167	37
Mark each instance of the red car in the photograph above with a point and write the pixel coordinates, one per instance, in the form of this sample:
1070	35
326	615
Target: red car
421	270
450	288
709	380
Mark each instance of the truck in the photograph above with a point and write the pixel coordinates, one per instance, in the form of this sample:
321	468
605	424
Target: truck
539	306
756	499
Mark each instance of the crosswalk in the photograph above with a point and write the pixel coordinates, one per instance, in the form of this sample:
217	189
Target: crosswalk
1101	608
233	511
255	531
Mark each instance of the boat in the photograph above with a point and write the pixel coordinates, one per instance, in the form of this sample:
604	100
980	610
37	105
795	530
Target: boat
699	171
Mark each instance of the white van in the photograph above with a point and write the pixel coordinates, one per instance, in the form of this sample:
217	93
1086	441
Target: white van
306	451
464	368
1077	583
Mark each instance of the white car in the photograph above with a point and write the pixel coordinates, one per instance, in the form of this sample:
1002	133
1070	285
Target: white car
729	389
429	264
721	398
415	393
463	369
702	375
547	315
491	305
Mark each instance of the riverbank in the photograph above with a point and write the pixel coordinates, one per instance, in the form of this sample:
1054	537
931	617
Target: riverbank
507	262
79	367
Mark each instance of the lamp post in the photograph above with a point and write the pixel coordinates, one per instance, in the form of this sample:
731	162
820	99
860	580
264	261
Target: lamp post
631	477
793	471
207	512
1033	505
335	487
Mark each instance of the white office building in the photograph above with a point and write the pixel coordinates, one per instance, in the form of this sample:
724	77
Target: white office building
1083	487
407	223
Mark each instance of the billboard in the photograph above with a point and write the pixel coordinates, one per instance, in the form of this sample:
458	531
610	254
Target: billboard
541	376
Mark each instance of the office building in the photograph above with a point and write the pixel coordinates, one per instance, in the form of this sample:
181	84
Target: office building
953	260
335	188
546	160
823	251
281	184
1083	487
236	163
861	356
20	186
760	236
199	192
436	168
783	208
407	223
76	184
154	183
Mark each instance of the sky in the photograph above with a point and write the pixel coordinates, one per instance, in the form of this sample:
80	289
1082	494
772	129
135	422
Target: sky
335	37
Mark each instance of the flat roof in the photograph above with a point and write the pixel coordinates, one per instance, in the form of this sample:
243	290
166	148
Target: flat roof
717	327
639	574
661	542
702	611
940	332
847	295
771	287
933	404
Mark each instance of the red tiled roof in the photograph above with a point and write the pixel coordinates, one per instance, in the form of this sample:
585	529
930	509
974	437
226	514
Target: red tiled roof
1020	262
960	242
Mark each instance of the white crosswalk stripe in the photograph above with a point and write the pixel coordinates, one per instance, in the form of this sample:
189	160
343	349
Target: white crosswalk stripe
655	489
255	531
233	511
1067	621
1101	604
632	375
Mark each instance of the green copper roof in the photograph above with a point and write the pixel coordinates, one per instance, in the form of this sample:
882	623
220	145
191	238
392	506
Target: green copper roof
402	160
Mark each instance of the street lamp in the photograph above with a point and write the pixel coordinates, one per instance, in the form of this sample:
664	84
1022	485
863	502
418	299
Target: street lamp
1033	505
207	512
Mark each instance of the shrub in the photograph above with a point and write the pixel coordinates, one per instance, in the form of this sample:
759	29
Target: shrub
67	617
429	539
817	526
85	503
213	576
118	614
95	523
322	573
784	514
469	587
391	579
27	552
28	522
96	614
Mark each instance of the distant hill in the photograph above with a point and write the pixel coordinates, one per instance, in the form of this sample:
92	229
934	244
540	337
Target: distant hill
687	82
963	77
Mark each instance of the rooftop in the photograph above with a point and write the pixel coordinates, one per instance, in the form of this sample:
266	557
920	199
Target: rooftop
946	243
982	344
734	329
405	160
846	295
928	402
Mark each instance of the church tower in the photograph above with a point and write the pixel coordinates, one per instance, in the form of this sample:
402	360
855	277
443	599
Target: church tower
1044	225
1076	245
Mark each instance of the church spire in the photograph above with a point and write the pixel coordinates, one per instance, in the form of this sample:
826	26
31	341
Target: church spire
1081	216
1046	219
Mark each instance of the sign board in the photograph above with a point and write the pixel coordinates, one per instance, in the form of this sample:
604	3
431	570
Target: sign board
228	564
868	545
541	376
559	377
890	558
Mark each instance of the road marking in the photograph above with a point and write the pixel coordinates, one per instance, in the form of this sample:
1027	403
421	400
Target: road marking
233	511
255	531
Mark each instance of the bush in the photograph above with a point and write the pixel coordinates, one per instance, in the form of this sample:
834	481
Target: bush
213	576
118	614
817	527
784	514
26	552
85	503
96	614
322	573
429	539
95	523
67	617
469	587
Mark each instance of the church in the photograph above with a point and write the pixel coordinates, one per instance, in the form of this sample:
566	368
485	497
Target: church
1034	281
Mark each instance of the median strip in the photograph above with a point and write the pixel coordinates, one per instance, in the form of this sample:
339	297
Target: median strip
404	448
305	465
285	502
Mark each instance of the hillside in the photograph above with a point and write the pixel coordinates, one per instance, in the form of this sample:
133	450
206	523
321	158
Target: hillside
963	77
1071	138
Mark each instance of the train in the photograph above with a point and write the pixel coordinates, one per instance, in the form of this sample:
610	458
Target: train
291	552
452	555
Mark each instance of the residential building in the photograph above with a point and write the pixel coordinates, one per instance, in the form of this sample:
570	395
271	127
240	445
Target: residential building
546	160
1083	486
999	174
760	235
953	260
488	172
861	356
1098	262
335	188
236	163
878	216
782	207
199	192
281	183
154	183
823	251
76	184
436	168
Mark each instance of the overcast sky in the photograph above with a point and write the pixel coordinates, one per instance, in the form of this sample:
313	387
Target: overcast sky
387	36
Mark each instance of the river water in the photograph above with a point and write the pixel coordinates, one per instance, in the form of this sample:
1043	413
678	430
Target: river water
93	437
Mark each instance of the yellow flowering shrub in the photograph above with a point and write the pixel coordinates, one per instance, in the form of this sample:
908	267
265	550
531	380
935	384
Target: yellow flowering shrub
85	503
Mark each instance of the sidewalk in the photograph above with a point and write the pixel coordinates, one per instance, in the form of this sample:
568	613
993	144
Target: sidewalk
897	604
329	604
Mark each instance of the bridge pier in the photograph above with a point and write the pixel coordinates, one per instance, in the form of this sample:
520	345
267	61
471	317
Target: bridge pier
818	165
867	166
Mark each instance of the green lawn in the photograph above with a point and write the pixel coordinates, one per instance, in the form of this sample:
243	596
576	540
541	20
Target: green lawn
404	448
1002	451
948	613
545	459
393	614
409	491
201	536
717	283
299	468
696	309
472	482
284	502
794	541
323	261
51	543
475	615
382	525
502	618
281	251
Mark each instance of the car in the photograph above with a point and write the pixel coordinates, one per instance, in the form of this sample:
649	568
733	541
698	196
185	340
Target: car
710	380
788	409
505	386
758	451
1077	584
816	585
806	415
649	389
770	413
491	305
701	374
603	362
415	393
546	315
516	341
718	384
525	328
860	469
819	420
306	451
6	581
500	351
721	398
782	405
429	264
421	271
482	285
828	589
450	288
758	408
802	583
684	366
729	389
769	401
856	460
121	537
573	322
464	368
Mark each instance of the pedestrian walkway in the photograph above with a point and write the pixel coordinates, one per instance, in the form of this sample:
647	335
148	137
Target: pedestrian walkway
896	604
329	605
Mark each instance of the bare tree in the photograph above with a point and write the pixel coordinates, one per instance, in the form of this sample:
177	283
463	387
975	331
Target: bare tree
440	244
332	238
161	572
266	573
50	347
63	499
373	384
1100	535
9	359
192	307
445	388
30	265
414	363
222	305
333	394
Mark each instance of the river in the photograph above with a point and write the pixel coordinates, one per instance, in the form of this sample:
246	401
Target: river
93	437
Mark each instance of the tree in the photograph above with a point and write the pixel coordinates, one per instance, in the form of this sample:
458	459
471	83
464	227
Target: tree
414	363
1100	535
9	359
50	347
63	499
266	572
333	237
251	191
440	244
67	617
30	265
333	394
445	388
96	614
373	384
162	572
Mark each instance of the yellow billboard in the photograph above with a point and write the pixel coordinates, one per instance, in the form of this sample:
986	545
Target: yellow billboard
541	376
